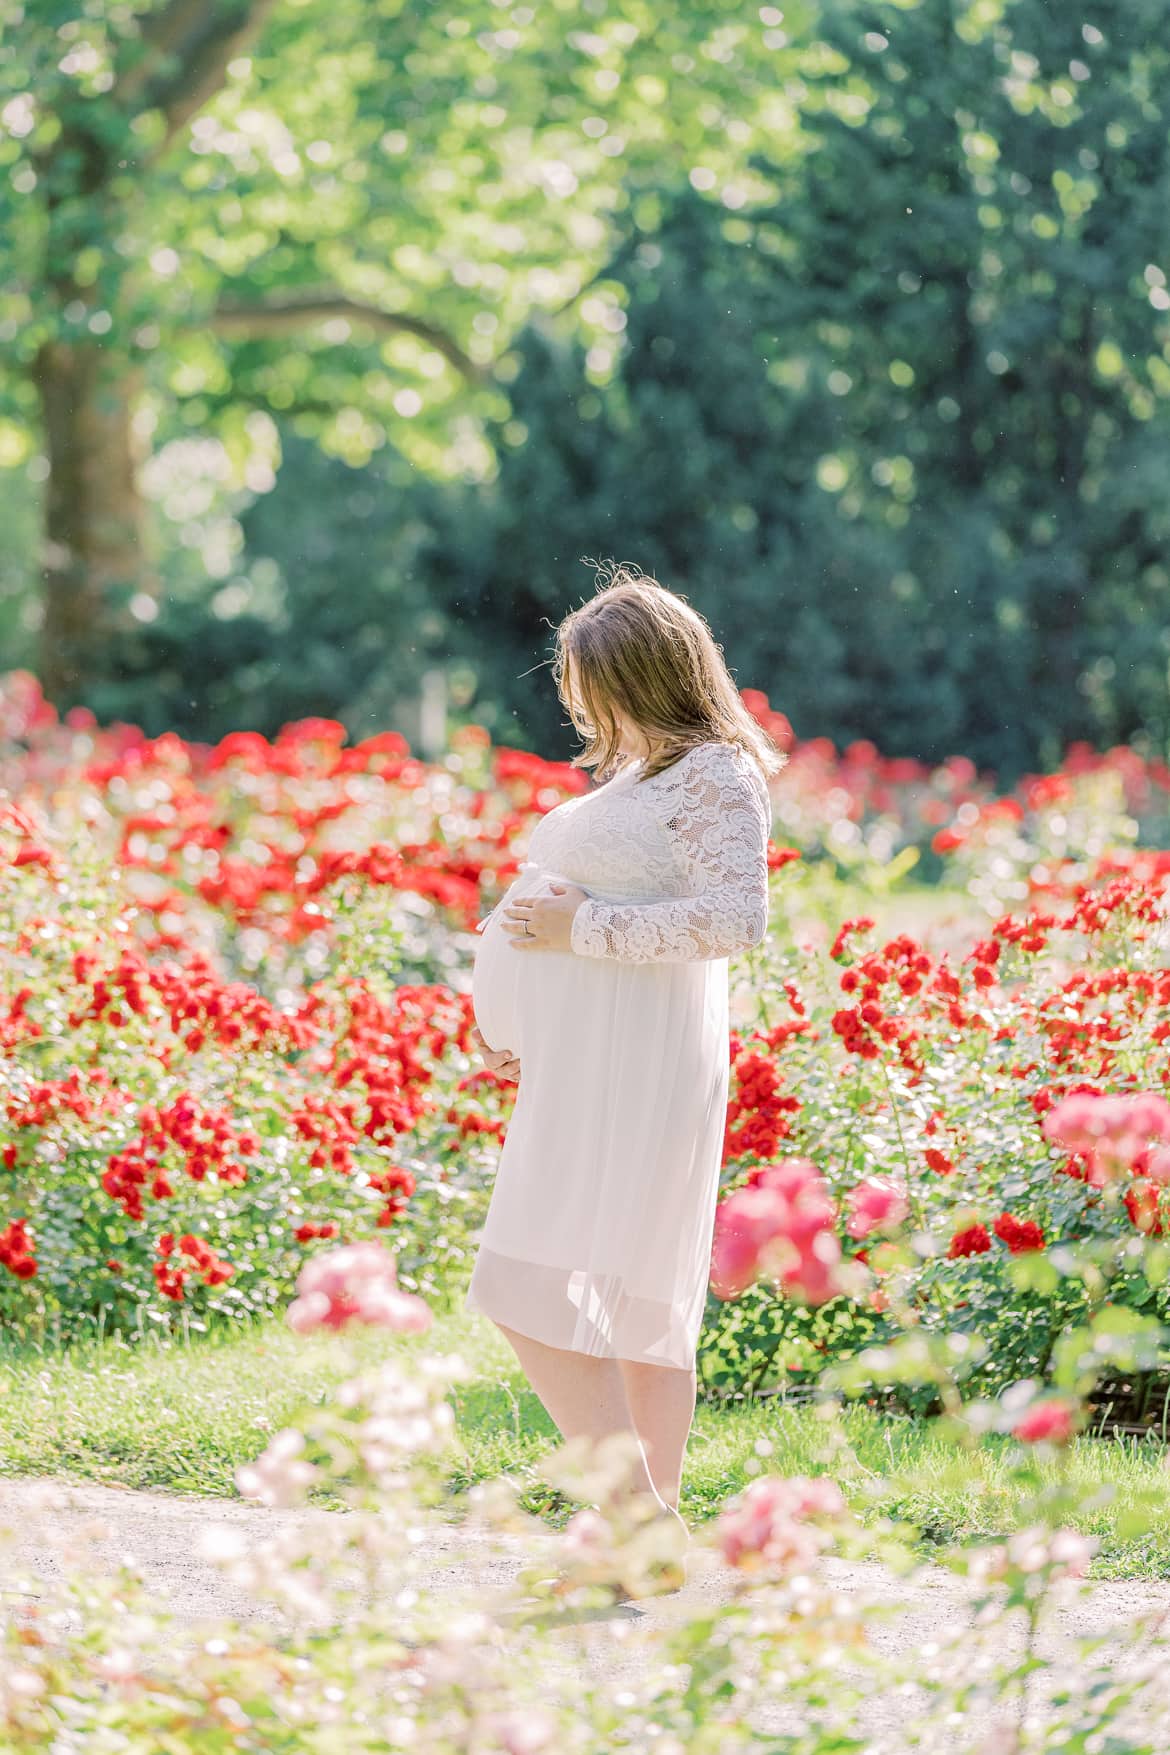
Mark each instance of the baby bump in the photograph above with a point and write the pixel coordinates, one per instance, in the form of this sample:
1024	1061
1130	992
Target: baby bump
509	985
494	987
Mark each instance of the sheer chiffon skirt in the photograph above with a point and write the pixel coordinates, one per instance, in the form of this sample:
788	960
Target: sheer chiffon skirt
598	1235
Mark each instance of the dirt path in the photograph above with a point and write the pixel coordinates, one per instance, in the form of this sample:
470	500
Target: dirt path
162	1532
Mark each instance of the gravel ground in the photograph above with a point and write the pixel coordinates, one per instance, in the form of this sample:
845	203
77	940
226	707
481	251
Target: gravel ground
927	1617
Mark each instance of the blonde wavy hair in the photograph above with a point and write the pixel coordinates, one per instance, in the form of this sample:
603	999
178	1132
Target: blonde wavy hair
643	649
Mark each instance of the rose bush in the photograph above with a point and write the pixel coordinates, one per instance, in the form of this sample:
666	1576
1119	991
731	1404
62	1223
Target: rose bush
1005	1115
234	1005
173	1136
254	828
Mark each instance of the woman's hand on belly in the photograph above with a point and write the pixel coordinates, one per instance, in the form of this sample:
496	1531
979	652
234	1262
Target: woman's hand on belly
544	923
497	1060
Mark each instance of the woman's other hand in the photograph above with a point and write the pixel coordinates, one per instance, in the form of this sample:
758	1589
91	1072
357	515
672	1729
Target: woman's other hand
497	1060
544	923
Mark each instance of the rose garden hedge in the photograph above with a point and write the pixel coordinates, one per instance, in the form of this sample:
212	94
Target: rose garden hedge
235	1014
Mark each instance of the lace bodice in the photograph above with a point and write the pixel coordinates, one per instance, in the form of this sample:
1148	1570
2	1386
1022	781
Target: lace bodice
676	864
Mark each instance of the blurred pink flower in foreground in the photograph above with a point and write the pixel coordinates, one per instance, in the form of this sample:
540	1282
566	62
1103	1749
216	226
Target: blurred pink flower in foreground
1048	1422
779	1225
586	1535
1116	1133
528	1730
1062	1553
878	1203
280	1475
357	1282
768	1527
1154	1164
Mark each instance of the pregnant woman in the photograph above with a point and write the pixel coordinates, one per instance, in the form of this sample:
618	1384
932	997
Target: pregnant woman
601	984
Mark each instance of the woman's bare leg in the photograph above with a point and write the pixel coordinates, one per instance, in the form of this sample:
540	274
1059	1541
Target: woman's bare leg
585	1396
661	1400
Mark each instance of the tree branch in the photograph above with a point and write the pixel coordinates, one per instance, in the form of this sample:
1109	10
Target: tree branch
278	316
187	48
160	37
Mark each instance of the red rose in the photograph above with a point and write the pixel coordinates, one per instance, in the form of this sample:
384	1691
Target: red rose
1021	1235
973	1241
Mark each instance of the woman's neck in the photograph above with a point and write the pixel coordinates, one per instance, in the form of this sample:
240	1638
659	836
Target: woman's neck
645	754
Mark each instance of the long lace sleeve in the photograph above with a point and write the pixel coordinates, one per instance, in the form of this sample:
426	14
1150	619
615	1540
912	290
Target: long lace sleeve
720	816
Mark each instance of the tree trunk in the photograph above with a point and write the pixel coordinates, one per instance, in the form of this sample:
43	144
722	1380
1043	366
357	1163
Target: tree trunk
94	560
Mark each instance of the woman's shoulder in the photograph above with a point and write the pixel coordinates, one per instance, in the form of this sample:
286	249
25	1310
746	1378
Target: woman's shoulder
719	759
720	752
708	788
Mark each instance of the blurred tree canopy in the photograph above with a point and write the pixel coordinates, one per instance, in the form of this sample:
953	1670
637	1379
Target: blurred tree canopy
332	207
868	353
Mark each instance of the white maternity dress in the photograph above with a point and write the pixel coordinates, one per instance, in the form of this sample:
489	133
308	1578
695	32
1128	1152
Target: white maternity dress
598	1234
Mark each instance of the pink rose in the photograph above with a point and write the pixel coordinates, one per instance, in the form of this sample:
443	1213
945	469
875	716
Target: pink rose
1065	1553
779	1226
878	1203
1112	1130
1155	1164
768	1527
528	1730
357	1282
744	1224
1069	1553
1050	1422
586	1535
280	1475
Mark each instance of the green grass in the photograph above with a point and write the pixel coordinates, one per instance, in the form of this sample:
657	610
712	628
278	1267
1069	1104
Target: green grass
182	1415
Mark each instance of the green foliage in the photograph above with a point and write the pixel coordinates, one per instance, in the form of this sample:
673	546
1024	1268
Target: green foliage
892	445
334	214
333	606
914	438
897	443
